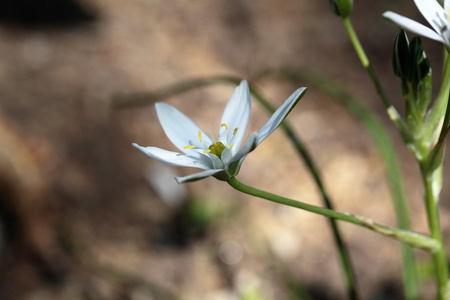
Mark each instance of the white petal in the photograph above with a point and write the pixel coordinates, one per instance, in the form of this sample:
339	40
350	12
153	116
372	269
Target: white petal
216	161
226	155
236	115
412	26
181	130
433	12
280	114
198	176
174	158
446	5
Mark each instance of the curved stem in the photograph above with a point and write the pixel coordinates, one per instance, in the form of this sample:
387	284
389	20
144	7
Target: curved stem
392	112
414	239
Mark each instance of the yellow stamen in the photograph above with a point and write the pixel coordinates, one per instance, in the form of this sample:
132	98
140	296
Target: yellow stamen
206	151
189	147
200	136
224	125
235	130
229	146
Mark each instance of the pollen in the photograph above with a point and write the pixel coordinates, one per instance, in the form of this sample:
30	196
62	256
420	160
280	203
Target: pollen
224	125
200	136
189	147
235	130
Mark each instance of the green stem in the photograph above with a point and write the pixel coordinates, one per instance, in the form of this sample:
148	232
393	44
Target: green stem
439	256
446	124
409	274
392	112
437	123
414	239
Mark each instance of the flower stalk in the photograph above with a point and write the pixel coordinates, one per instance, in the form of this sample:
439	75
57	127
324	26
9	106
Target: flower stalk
411	238
439	256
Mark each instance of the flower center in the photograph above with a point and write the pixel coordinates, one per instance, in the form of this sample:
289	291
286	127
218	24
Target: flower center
217	149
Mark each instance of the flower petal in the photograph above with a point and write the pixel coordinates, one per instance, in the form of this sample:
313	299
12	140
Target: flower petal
280	114
236	115
174	158
216	161
433	12
446	5
181	130
413	26
198	176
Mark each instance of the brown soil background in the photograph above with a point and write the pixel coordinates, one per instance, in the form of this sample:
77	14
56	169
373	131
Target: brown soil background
80	219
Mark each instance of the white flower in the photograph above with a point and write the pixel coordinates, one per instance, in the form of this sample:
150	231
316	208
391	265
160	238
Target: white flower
222	158
434	13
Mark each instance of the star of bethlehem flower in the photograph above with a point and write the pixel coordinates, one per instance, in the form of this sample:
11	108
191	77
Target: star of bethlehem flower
222	158
434	13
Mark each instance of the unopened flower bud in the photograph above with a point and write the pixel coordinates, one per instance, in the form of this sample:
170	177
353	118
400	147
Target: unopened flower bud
401	58
420	65
342	8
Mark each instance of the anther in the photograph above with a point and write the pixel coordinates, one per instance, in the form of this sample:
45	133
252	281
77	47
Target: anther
224	125
200	136
189	147
235	130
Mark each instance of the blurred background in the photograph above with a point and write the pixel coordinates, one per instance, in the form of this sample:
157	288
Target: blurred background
83	215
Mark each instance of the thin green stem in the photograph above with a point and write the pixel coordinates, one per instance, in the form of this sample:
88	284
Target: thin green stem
412	238
411	286
438	120
446	124
436	128
439	256
392	112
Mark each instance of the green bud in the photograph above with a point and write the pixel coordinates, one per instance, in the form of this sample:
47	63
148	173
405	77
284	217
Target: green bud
420	65
342	8
411	64
401	56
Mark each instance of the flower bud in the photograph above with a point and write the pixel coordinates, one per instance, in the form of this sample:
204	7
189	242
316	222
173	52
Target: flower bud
342	8
401	58
419	62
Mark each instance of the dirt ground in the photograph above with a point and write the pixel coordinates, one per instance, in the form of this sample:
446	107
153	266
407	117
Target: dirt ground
86	216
